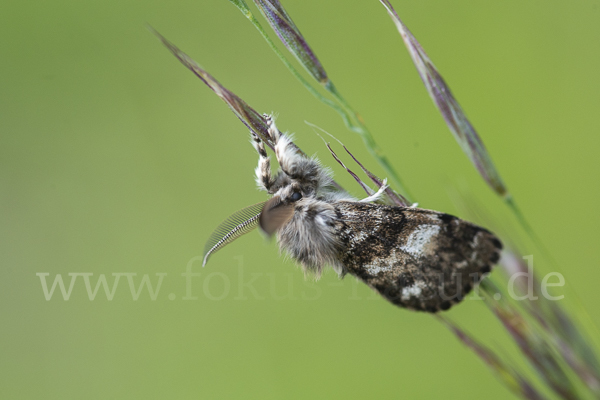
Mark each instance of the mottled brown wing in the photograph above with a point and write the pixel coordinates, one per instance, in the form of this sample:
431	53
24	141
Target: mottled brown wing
419	259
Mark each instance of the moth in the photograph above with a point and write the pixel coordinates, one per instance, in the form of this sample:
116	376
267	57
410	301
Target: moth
419	259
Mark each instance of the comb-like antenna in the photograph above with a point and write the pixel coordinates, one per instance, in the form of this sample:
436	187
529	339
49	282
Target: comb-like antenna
237	224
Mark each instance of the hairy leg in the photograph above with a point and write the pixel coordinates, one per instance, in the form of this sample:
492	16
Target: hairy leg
291	161
264	180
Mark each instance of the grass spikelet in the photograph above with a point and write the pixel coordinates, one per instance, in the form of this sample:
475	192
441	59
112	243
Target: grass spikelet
552	321
290	35
393	197
534	345
455	118
249	117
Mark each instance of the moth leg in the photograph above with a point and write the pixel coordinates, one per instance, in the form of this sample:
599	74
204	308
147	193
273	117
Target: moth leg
264	180
293	164
376	196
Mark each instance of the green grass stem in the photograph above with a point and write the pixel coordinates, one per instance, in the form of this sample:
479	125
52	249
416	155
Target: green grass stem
351	118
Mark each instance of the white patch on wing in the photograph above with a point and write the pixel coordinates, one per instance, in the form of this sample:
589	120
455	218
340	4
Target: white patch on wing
476	239
360	236
419	239
433	217
375	269
411	291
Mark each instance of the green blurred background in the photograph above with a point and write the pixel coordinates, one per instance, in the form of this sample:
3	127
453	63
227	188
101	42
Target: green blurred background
116	159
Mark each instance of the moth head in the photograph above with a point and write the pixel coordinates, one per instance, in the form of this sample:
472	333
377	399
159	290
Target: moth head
307	177
294	191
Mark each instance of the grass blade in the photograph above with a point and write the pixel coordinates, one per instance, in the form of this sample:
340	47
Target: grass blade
512	379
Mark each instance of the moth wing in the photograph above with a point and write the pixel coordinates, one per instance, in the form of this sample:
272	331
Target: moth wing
419	259
236	225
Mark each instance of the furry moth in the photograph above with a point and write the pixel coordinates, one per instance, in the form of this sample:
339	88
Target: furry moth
418	259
